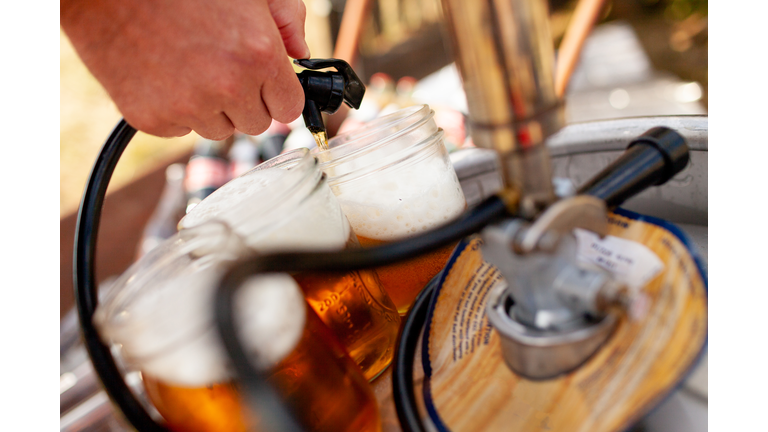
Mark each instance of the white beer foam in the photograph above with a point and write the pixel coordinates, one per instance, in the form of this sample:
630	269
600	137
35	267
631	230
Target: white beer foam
272	315
319	224
270	311
240	189
404	202
314	224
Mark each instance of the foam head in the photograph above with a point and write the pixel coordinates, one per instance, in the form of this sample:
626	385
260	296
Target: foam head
393	177
277	207
250	187
160	313
403	202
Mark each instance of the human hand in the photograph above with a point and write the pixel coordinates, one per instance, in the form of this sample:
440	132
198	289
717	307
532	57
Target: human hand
173	66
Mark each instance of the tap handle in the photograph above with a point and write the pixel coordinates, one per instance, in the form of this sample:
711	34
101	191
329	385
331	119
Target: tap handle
650	160
325	91
331	87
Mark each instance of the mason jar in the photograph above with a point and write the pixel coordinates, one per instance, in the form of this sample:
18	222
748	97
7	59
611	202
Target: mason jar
159	318
393	179
285	204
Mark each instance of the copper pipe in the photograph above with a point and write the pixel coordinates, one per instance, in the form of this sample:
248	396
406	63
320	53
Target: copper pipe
350	29
347	42
584	18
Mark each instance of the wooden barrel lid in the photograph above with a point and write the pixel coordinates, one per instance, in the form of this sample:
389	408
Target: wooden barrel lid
468	387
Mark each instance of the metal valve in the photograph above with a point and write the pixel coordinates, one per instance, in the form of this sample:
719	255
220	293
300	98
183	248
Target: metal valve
554	313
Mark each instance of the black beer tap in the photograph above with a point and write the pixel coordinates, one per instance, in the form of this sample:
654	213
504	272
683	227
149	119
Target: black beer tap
325	91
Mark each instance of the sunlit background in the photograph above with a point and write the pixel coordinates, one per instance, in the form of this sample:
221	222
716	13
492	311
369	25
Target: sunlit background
398	37
88	115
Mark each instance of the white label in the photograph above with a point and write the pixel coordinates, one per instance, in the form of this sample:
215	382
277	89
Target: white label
629	262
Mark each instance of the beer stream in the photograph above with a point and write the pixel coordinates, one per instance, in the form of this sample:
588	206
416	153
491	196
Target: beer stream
321	138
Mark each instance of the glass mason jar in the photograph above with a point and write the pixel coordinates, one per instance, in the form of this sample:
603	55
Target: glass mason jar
159	317
285	204
394	179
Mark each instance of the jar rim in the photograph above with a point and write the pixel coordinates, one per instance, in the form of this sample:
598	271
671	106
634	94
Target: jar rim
208	244
416	152
301	168
345	147
287	160
411	112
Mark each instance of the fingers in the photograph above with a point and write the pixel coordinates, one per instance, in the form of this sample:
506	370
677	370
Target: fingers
178	118
144	121
263	85
163	131
283	95
216	114
218	80
216	127
229	102
268	90
280	92
289	16
251	117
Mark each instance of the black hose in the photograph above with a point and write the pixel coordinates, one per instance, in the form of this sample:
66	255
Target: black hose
405	354
650	159
468	223
86	296
261	396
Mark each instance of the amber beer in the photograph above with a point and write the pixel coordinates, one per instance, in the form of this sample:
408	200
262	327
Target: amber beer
394	180
358	312
318	378
286	204
403	281
159	316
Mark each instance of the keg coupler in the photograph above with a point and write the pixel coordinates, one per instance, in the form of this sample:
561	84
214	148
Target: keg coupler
554	313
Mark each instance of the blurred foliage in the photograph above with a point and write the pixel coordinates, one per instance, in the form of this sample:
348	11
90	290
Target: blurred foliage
676	10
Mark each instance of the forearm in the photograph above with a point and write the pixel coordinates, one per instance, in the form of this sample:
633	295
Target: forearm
172	66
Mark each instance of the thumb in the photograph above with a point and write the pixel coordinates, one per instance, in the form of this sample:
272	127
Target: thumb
289	15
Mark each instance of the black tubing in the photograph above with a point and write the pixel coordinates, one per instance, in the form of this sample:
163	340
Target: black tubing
468	223
86	296
650	159
404	394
